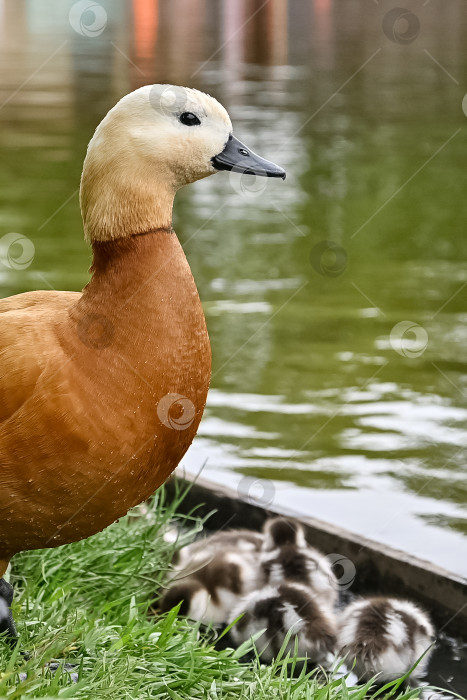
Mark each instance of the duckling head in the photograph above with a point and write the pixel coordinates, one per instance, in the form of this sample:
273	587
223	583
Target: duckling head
154	141
281	532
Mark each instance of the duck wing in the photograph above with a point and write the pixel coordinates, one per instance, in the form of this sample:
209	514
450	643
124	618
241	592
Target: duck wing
46	298
27	328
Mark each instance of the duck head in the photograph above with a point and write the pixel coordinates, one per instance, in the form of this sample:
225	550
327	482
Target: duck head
154	141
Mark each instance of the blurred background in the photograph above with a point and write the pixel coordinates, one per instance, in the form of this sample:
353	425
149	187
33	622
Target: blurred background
336	300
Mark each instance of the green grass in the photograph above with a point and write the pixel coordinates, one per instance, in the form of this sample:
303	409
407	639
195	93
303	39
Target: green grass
87	604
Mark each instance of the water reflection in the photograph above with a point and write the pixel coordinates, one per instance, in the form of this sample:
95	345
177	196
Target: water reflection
307	388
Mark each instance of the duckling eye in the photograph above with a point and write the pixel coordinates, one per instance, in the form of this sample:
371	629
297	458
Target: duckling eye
189	119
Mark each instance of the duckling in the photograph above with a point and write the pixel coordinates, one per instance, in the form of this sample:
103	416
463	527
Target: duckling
102	391
280	531
286	556
204	549
213	581
385	636
278	609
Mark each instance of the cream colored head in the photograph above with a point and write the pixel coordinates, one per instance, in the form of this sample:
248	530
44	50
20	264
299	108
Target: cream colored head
142	152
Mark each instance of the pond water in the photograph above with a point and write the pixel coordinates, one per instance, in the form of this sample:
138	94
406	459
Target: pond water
336	301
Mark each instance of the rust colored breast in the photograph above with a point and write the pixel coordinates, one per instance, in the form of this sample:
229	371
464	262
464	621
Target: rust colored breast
124	377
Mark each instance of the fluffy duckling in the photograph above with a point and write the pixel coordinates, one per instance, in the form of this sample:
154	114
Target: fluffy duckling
278	609
385	636
213	574
286	556
204	549
102	391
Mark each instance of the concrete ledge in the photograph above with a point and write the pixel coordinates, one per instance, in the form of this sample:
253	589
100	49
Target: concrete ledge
379	569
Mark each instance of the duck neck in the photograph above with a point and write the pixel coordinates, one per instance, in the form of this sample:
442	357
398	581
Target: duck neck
130	270
141	307
119	201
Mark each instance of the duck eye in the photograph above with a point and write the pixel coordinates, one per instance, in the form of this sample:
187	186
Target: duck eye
189	119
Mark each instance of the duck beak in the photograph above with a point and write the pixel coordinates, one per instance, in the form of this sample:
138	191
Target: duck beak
237	157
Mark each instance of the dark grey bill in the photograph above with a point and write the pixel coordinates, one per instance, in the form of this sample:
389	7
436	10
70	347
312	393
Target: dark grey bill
236	156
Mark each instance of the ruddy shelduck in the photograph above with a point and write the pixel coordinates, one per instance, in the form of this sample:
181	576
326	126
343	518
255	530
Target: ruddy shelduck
102	391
